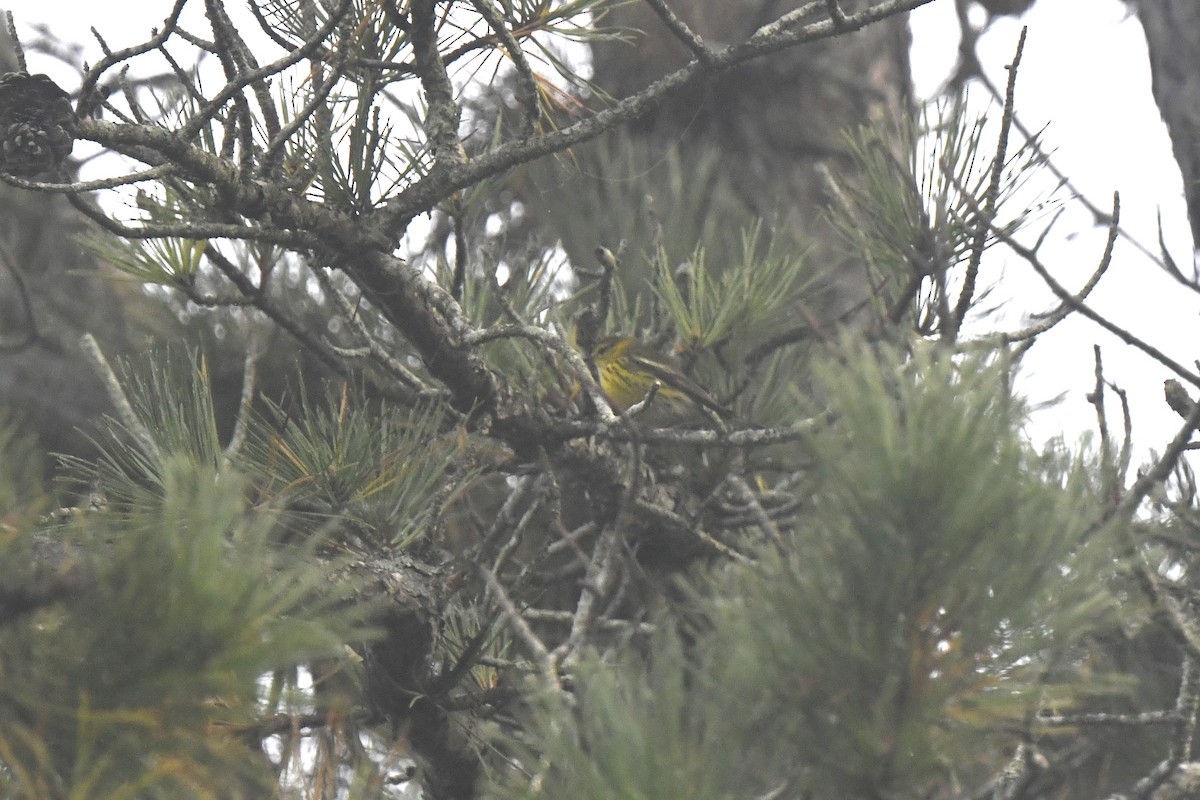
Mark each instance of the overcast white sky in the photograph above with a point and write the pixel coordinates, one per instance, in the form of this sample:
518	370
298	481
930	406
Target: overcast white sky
1085	75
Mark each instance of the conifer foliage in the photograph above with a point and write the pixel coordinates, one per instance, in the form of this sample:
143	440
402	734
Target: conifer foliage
441	563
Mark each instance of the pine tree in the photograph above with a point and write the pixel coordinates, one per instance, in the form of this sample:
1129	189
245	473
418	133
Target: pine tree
449	566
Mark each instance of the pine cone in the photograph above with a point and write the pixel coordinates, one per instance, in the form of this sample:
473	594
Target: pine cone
37	124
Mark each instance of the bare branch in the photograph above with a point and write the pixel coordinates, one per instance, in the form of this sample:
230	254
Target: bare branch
119	400
682	32
527	92
988	211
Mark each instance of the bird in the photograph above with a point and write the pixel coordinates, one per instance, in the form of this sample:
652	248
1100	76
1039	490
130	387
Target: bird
628	371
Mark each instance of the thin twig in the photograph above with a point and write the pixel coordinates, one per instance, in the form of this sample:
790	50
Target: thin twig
1099	214
88	95
527	93
320	94
836	15
1049	319
1156	474
354	319
682	32
556	342
595	585
18	50
992	197
119	399
1096	398
82	187
438	185
788	20
521	628
1068	298
206	113
687	527
255	349
1185	711
761	518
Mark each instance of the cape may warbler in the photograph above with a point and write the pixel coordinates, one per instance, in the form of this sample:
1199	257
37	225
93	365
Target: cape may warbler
626	370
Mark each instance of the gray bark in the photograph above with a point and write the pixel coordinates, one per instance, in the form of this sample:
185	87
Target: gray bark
1173	35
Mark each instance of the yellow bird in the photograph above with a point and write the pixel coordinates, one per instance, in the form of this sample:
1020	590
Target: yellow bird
626	371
